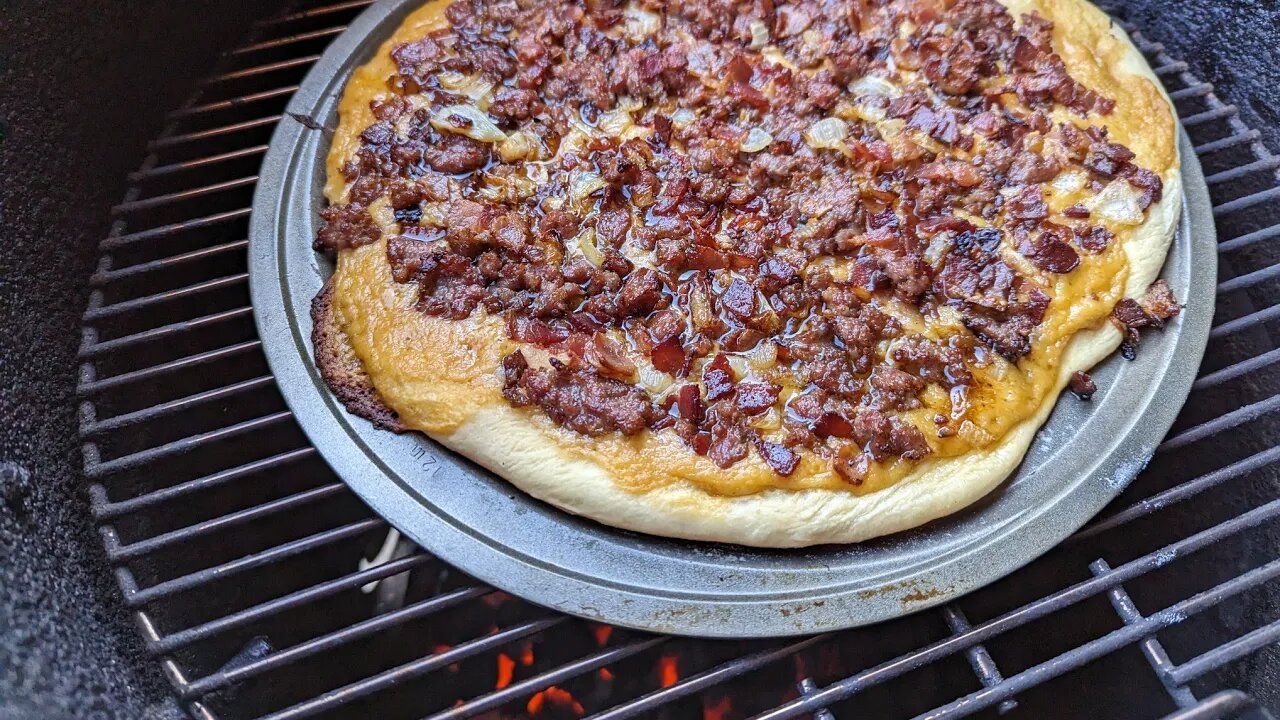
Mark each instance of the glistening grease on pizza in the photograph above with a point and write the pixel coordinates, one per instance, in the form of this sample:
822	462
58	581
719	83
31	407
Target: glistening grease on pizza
769	273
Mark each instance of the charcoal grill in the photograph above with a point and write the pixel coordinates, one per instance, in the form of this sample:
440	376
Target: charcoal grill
246	563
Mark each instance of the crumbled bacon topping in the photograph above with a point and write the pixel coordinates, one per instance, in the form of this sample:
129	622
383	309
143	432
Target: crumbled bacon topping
647	190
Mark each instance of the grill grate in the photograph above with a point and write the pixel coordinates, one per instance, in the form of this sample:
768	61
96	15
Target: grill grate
250	586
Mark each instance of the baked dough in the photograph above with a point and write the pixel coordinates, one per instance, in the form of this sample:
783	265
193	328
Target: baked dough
410	370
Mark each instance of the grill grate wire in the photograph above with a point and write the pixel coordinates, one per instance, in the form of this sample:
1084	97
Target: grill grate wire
248	582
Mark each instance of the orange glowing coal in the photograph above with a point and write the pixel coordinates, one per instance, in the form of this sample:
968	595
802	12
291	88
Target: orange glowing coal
506	670
526	654
606	674
719	711
554	698
602	633
496	599
668	671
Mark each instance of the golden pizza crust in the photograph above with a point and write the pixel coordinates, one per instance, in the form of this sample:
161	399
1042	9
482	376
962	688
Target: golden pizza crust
441	376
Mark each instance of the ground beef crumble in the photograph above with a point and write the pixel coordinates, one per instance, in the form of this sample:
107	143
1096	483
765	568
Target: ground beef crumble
645	184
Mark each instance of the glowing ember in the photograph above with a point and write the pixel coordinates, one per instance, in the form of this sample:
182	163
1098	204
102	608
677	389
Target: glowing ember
602	633
553	697
496	599
442	648
668	673
506	670
718	711
606	675
526	654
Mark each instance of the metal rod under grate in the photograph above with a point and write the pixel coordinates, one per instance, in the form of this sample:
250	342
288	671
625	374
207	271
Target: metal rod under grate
245	560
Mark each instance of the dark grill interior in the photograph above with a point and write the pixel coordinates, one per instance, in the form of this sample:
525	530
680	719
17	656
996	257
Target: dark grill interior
240	553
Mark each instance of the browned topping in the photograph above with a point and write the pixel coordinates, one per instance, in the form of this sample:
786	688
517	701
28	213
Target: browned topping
1155	307
744	200
1082	385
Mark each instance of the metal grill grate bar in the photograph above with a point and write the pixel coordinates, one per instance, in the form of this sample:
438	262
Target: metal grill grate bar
288	40
1151	647
106	311
1106	644
203	162
316	12
1236	173
528	687
368	686
194	580
978	656
105	277
159	200
1179	493
1230	420
158	542
99	427
291	63
174	140
1039	608
1248	280
1269	233
292	601
1226	653
93	387
1238	370
104	509
417	611
1242	138
185	445
1244	323
118	241
687	686
233	103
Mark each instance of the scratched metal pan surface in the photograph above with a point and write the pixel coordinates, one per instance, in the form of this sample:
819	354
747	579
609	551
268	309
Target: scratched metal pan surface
1083	457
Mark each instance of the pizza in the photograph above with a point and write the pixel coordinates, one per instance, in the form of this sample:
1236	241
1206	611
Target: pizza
760	272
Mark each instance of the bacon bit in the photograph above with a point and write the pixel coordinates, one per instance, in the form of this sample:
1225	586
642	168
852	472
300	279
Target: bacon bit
702	443
602	633
701	257
719	711
851	465
668	673
668	356
1094	239
662	129
506	670
779	457
535	331
690	404
944	223
718	377
607	355
738	69
740	299
1076	211
554	696
1083	385
833	425
755	398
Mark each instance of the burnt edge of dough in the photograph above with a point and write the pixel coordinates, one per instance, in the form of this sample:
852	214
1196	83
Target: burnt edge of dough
342	370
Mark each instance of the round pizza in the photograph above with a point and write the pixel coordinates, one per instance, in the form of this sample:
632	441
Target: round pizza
762	272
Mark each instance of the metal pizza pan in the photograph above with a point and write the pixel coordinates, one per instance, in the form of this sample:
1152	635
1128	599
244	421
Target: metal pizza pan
1081	459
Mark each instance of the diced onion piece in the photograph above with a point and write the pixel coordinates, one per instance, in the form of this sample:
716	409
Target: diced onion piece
615	122
872	85
475	87
773	55
1118	203
653	380
518	146
1068	182
759	34
434	214
582	184
763	356
739	365
682	118
828	133
638	23
586	242
755	141
467	120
